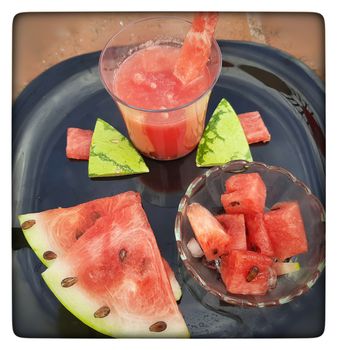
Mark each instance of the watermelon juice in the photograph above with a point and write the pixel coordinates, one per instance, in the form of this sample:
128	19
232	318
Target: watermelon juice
164	117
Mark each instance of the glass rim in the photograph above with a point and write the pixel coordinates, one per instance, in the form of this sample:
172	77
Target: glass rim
232	298
119	100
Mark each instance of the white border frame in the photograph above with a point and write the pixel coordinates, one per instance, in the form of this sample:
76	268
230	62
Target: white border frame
8	11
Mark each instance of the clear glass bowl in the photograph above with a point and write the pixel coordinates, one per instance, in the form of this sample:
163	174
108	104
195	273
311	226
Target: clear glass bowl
281	186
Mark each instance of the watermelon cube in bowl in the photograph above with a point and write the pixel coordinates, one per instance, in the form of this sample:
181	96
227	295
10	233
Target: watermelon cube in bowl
281	186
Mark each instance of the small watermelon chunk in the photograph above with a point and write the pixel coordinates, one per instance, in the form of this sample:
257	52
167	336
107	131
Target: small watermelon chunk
245	194
258	239
52	232
210	234
234	225
196	48
114	280
283	268
254	127
246	272
286	230
78	143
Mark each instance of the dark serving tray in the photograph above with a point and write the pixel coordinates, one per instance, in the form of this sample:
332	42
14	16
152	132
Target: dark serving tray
291	100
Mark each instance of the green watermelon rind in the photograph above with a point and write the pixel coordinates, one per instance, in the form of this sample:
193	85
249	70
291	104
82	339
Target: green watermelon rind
37	241
74	300
81	305
116	158
223	139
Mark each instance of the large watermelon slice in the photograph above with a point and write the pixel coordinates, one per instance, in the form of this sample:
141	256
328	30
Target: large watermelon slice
223	139
78	143
114	280
210	234
234	225
112	154
196	48
245	194
246	272
254	127
286	230
52	232
258	239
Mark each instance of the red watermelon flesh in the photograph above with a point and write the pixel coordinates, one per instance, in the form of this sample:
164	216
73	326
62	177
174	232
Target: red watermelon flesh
239	264
234	225
196	48
210	234
257	237
245	194
54	231
78	143
117	265
286	230
254	127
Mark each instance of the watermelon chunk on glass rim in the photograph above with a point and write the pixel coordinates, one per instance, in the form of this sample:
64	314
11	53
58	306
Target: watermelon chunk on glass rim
196	48
114	280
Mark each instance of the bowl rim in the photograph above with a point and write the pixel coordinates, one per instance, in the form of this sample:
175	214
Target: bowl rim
232	298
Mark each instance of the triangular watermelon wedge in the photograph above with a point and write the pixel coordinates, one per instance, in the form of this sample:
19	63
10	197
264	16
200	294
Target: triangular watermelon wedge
52	232
113	279
112	154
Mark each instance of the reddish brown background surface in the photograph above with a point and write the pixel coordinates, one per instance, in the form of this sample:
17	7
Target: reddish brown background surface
41	40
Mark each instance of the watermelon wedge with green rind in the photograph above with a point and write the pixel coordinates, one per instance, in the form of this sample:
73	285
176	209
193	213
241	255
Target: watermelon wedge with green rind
223	139
112	154
118	283
54	231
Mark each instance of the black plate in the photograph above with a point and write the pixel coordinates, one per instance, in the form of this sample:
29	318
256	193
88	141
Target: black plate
291	100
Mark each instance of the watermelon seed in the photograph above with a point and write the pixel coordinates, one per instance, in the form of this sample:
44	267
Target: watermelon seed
235	203
158	326
28	224
253	272
102	312
95	215
122	254
68	282
49	255
215	251
78	234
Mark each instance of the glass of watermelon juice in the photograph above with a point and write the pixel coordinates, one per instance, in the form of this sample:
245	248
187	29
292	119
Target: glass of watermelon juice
164	117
